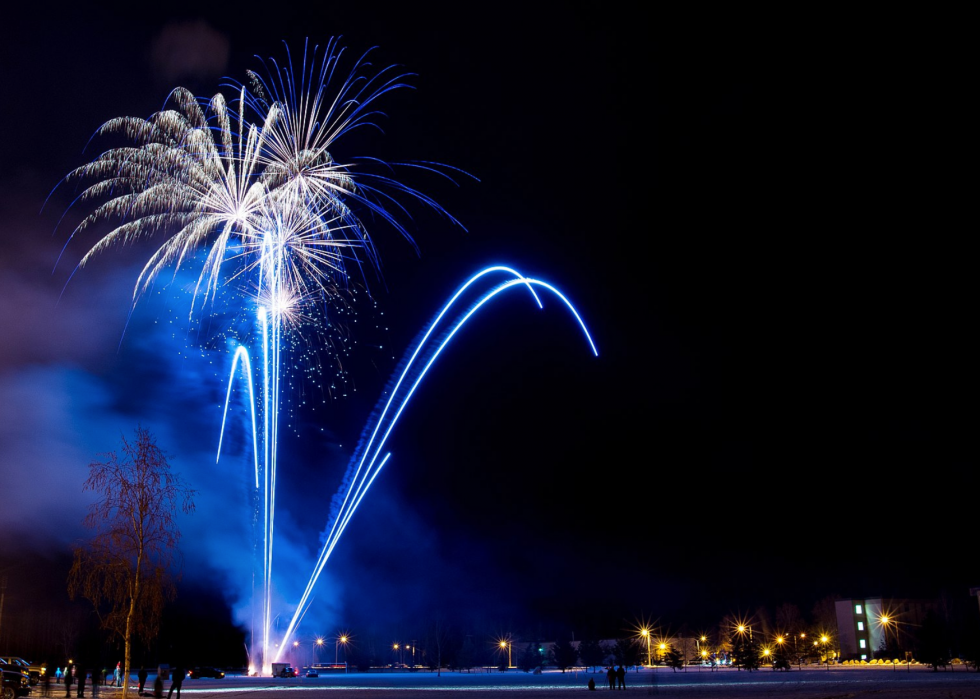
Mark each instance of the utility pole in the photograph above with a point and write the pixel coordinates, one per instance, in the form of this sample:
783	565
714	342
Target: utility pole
3	592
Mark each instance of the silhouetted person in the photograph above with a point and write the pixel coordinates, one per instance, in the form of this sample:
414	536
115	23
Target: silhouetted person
591	685
611	676
81	684
68	680
142	676
46	684
176	681
158	685
621	676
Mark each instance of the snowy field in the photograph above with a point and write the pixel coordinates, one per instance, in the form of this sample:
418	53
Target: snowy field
835	683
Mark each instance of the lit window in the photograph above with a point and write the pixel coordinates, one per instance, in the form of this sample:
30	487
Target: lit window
857	609
860	626
862	643
864	657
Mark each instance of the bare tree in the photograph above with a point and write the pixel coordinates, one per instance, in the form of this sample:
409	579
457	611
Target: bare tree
789	619
125	569
825	614
437	637
70	631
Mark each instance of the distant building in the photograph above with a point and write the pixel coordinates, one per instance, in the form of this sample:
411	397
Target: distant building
867	626
858	631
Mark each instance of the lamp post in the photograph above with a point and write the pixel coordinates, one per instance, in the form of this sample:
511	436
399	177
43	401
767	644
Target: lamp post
741	633
316	647
340	639
887	621
645	633
507	645
741	629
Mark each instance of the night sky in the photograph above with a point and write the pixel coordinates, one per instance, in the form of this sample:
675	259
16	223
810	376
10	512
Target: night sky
762	223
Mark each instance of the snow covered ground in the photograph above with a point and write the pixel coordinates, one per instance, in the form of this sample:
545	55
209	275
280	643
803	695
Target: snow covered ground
837	682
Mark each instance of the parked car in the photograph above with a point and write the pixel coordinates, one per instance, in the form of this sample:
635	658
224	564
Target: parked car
34	672
287	672
16	683
197	673
312	673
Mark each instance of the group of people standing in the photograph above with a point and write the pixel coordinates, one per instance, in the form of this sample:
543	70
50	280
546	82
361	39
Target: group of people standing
71	675
616	675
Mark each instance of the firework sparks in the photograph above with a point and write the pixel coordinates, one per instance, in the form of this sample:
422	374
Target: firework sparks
272	211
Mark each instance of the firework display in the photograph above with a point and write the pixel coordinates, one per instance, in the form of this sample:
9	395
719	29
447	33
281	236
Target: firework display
251	193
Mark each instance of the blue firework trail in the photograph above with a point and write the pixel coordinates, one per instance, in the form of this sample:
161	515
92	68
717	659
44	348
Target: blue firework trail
368	461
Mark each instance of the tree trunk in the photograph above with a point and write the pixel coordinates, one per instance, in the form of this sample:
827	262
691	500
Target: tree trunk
129	619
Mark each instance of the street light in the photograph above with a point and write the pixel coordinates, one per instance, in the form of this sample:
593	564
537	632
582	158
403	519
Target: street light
702	653
505	644
645	633
319	644
782	656
885	622
738	652
340	639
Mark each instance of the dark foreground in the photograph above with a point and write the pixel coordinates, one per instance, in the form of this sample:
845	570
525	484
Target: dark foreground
835	683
